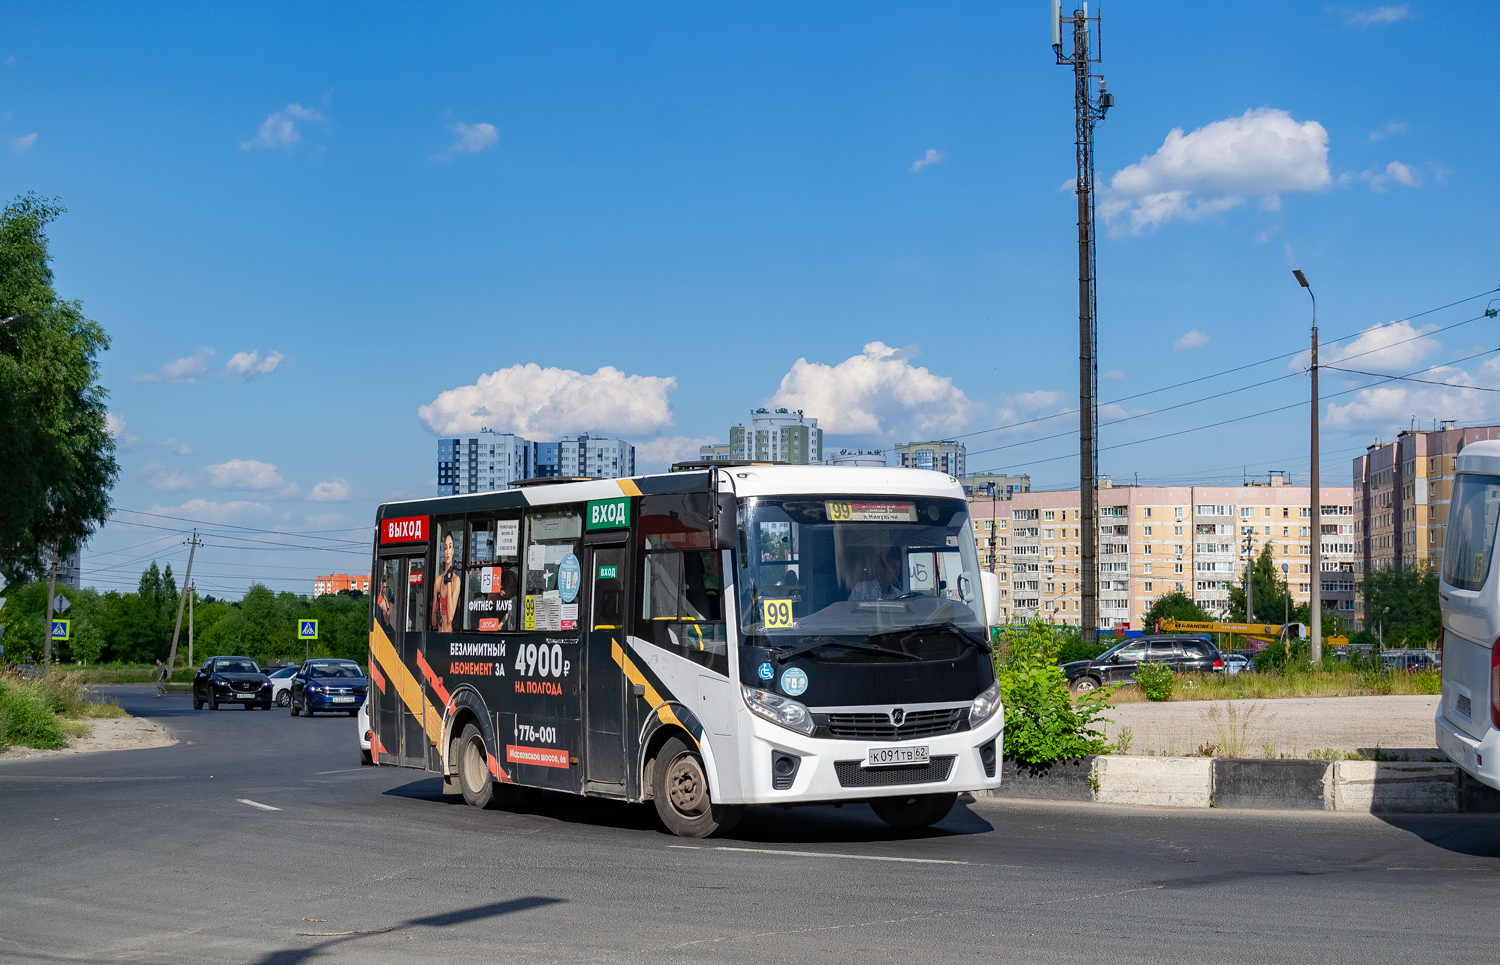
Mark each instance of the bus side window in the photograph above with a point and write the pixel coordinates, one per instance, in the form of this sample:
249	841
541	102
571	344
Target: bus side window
682	584
492	576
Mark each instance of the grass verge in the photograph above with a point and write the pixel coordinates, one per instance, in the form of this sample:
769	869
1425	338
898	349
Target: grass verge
1297	683
46	711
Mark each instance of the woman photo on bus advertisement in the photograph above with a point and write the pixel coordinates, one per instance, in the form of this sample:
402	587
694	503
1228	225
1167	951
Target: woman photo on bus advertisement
446	587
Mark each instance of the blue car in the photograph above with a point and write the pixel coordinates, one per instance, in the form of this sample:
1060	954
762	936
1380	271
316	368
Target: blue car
328	684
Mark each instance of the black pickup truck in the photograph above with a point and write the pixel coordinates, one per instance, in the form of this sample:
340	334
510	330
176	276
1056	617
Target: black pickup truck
1183	653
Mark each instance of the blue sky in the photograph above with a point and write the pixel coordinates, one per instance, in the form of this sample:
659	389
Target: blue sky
302	226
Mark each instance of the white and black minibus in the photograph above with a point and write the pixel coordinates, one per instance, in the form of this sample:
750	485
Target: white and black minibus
1468	718
703	639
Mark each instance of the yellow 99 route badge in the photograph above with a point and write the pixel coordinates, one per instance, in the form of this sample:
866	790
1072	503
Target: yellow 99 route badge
775	614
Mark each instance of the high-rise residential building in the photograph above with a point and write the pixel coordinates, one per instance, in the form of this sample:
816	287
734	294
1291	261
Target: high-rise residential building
1158	540
858	457
545	459
942	456
338	582
482	462
70	571
1401	492
773	435
1005	486
595	457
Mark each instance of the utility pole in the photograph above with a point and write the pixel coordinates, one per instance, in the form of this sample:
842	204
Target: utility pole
1087	111
51	599
1249	578
192	592
187	580
1315	601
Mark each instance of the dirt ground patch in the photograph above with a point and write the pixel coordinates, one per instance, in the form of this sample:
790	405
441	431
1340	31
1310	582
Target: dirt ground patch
1289	727
117	734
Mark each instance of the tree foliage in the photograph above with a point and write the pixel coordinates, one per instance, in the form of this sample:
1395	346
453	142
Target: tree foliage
1042	723
1176	606
1270	596
56	450
1411	592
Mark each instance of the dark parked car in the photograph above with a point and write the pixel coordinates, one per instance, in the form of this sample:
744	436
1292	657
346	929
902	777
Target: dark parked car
328	684
1184	654
231	680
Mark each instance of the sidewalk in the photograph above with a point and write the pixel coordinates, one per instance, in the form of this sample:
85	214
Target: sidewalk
1290	726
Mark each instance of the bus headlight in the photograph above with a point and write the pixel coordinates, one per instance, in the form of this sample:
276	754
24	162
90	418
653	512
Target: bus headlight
779	710
985	705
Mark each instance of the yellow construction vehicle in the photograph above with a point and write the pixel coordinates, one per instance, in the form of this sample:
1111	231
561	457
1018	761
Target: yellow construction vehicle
1266	633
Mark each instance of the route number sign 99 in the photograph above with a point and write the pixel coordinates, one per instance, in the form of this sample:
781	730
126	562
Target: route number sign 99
776	613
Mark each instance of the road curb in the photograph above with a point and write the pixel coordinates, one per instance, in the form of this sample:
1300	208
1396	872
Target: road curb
1371	787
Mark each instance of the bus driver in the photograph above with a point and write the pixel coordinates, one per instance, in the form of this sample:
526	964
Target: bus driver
887	582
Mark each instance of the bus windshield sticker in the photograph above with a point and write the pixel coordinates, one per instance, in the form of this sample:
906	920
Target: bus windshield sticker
536	557
776	613
871	512
766	672
507	538
794	682
609	513
569	578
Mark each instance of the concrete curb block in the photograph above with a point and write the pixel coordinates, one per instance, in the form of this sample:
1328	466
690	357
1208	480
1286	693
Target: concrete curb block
1384	787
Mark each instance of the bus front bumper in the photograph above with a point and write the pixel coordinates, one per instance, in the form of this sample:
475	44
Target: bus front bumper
836	770
1481	757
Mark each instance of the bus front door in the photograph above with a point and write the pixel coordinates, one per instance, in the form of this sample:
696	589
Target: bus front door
413	733
604	683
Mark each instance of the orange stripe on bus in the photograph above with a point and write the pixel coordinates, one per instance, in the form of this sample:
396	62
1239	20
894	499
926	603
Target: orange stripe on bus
433	679
377	676
663	712
407	686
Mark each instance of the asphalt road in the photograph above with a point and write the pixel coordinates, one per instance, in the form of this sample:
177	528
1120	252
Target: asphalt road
152	855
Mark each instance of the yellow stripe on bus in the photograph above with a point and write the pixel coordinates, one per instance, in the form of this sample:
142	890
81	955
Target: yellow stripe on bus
406	685
663	712
628	487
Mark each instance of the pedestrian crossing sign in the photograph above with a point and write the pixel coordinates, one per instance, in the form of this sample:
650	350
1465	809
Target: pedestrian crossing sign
307	629
60	629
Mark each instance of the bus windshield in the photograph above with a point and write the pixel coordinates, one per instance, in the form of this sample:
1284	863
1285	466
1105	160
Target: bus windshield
857	567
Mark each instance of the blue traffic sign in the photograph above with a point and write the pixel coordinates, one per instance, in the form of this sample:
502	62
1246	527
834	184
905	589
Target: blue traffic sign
307	629
60	629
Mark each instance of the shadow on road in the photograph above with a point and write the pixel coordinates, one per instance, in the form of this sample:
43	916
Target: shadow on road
1476	835
294	956
824	823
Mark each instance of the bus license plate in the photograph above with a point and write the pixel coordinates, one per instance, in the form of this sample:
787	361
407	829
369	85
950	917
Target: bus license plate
887	756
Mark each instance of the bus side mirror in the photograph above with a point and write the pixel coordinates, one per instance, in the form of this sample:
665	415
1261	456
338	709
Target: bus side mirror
726	522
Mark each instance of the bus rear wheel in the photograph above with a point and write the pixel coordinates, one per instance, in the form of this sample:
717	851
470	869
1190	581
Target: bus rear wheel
679	788
914	810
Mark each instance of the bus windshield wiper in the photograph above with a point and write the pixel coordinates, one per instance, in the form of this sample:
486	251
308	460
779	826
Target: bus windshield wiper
783	656
968	636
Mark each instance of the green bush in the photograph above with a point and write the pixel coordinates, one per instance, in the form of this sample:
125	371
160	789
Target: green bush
1156	680
1042	723
26	718
1428	681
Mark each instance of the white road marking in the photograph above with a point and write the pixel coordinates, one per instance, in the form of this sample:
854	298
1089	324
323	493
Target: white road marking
818	854
257	804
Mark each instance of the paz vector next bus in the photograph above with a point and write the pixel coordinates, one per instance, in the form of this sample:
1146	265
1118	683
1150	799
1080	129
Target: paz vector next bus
714	637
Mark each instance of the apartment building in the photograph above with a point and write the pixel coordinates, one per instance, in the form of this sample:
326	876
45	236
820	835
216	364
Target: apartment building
489	460
858	457
1158	540
780	435
1401	491
1004	485
336	582
942	455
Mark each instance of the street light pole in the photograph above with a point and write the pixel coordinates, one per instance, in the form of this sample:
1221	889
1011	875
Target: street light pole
1315	601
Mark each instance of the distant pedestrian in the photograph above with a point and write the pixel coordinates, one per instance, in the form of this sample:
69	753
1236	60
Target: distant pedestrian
161	678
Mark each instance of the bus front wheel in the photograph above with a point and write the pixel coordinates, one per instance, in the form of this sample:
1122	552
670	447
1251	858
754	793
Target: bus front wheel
914	810
679	788
474	777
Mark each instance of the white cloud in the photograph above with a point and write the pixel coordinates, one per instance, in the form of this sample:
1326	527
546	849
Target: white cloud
164	479
930	158
472	138
1374	16
177	448
1388	129
244	474
115	426
661	452
878	392
546	403
280	129
1395	348
1193	339
184	371
249	365
1392	405
331	491
1394	173
1262	152
1115	375
23	144
1039	399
